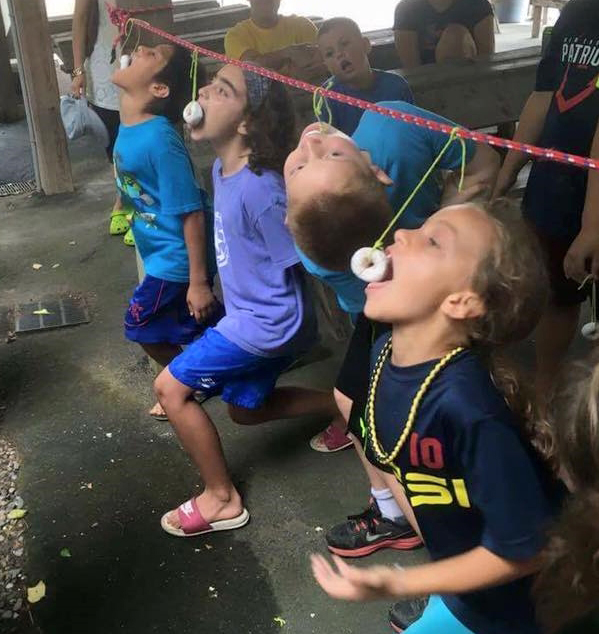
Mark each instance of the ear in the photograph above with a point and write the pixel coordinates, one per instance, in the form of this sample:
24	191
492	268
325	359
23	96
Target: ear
463	305
367	45
242	128
376	170
159	90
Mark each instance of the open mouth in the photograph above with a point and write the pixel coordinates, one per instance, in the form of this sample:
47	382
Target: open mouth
346	66
386	277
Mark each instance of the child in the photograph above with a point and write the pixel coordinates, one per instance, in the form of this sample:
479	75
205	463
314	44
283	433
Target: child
354	177
269	318
568	585
438	426
345	53
154	174
562	201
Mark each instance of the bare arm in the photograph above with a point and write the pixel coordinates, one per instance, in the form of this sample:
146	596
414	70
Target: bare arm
200	299
406	44
529	131
274	60
80	19
484	36
479	178
476	569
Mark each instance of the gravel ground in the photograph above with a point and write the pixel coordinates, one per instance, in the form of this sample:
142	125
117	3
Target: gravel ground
12	579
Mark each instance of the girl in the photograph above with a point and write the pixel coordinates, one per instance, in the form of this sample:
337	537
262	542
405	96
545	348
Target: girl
437	423
567	588
269	318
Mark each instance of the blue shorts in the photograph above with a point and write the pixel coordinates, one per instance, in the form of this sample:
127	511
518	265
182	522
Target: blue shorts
437	619
158	313
215	365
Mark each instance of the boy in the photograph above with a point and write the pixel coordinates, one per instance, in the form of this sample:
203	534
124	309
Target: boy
562	202
154	176
269	318
345	53
285	43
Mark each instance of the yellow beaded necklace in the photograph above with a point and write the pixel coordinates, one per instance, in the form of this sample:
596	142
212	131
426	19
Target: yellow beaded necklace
383	457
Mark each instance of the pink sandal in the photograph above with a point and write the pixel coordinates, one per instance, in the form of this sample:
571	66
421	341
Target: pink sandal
193	523
330	440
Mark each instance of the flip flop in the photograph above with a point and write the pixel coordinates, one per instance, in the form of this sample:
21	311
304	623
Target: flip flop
160	417
330	440
193	523
118	222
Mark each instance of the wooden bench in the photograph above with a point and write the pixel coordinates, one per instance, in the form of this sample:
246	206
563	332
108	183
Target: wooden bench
539	13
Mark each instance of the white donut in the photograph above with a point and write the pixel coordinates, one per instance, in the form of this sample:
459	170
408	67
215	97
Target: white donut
125	61
193	113
370	265
590	331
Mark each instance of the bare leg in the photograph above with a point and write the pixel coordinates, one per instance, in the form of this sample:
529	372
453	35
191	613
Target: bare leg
456	42
401	498
198	436
162	354
553	336
118	203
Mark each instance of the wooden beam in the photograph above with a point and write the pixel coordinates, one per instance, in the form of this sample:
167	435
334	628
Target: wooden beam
40	92
162	19
9	101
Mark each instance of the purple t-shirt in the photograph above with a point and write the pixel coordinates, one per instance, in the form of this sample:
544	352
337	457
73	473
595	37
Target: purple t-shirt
269	312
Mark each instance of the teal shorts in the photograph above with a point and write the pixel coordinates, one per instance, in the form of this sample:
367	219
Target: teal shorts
437	619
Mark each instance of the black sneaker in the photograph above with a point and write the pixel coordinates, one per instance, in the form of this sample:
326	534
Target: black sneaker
404	613
368	532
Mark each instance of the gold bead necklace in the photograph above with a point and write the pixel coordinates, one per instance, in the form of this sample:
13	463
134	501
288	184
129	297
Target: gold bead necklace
383	457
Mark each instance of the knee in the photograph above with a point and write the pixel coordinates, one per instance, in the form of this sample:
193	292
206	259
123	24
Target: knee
165	388
455	42
242	415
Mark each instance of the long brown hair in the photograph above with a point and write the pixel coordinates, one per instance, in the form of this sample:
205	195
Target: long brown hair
568	586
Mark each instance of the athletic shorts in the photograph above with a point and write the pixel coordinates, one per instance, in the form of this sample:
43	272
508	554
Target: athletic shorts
111	119
354	376
437	619
215	365
158	313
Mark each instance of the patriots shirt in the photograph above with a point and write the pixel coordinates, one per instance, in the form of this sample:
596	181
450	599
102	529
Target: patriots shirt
555	195
470	476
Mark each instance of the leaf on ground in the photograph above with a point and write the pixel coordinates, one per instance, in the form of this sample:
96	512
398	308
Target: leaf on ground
36	593
65	552
72	242
55	266
280	621
42	311
16	514
36	266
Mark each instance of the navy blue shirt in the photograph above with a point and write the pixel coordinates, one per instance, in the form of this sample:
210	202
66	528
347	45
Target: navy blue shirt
387	87
470	477
555	193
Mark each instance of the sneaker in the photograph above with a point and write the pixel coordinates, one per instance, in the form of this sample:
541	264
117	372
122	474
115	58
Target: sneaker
368	532
330	440
404	613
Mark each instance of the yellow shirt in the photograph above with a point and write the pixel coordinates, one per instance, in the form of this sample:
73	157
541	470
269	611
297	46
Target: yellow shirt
290	29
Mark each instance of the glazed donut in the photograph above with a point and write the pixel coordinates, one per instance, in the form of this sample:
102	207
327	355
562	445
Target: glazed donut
369	265
193	113
590	331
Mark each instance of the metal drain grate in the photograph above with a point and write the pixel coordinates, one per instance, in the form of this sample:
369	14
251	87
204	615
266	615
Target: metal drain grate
12	189
50	313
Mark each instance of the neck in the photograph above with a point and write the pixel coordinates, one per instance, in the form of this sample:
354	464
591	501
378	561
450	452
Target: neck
421	342
265	21
233	154
363	82
132	110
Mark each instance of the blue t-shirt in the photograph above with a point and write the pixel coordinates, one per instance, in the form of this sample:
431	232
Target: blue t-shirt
268	309
405	152
155	176
387	87
470	477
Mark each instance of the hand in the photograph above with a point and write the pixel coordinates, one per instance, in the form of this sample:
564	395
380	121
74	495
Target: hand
356	584
200	301
78	86
506	179
582	258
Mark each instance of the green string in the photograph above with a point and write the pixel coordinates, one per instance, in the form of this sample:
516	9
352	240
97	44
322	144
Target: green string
452	137
587	279
193	75
318	101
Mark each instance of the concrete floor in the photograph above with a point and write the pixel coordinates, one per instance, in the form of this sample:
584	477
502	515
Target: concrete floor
97	472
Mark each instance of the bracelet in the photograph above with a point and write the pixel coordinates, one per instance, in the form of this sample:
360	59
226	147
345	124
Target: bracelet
77	72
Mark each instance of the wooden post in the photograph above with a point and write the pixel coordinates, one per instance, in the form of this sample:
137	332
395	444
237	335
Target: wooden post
9	101
162	19
40	93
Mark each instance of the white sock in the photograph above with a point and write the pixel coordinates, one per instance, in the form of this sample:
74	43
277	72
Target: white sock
388	507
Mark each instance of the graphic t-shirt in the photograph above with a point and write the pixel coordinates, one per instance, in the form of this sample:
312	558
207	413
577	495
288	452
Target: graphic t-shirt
405	152
469	476
155	176
268	309
387	87
555	194
248	36
422	17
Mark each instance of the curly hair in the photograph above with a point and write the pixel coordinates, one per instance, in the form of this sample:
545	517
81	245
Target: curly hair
271	132
568	585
